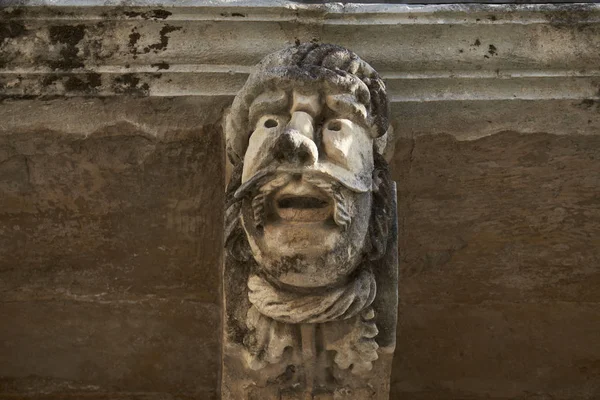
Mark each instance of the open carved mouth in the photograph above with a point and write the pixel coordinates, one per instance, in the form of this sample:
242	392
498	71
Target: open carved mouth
301	204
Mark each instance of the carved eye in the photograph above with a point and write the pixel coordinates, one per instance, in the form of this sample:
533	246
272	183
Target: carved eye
334	125
271	123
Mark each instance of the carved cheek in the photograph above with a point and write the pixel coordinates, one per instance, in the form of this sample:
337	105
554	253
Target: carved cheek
260	143
338	139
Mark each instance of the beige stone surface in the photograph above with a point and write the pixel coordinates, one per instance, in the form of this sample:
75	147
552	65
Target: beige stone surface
499	268
107	260
110	238
514	65
116	213
499	249
81	347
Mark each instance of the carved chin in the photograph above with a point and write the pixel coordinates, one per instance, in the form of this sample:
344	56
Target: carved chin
300	244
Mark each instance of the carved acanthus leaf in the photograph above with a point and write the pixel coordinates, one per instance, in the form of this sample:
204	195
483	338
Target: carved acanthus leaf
357	349
266	340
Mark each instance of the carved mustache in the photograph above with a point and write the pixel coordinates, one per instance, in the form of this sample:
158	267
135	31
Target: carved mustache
264	184
267	173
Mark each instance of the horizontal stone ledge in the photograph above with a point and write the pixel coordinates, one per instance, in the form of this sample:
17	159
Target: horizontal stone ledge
402	87
246	70
49	296
495	304
397	39
465	120
64	392
325	12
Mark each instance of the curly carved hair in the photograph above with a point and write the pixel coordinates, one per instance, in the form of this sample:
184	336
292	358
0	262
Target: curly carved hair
306	65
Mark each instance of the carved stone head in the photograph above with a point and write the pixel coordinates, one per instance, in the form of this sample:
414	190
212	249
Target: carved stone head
310	276
305	135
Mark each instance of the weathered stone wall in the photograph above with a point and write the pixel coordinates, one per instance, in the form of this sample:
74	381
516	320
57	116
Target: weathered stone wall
500	267
111	246
112	173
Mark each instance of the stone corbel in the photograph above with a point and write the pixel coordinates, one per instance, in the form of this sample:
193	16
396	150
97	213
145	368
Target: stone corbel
310	274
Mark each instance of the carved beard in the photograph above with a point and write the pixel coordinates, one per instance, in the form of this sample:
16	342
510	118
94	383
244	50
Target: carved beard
236	242
267	335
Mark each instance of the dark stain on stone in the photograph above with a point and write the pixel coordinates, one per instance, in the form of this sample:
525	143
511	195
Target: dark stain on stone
22	97
88	85
132	14
461	51
563	15
154	14
160	65
11	30
161	14
8	13
164	38
129	80
477	43
486	56
129	84
289	264
69	36
239	15
49	80
75	84
492	17
94	79
69	61
134	36
589	104
492	50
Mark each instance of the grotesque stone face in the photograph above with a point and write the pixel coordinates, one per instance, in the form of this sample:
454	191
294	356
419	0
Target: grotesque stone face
310	277
310	154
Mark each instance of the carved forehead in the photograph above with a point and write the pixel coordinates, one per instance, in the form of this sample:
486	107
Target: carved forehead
343	103
309	68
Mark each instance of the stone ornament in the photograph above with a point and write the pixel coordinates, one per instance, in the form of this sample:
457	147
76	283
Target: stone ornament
310	273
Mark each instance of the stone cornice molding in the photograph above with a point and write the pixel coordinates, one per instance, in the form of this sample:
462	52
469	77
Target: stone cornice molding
446	56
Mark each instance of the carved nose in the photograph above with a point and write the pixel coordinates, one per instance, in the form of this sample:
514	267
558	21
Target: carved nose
295	148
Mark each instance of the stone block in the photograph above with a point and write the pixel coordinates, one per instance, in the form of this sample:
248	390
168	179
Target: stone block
115	211
88	349
498	350
509	217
